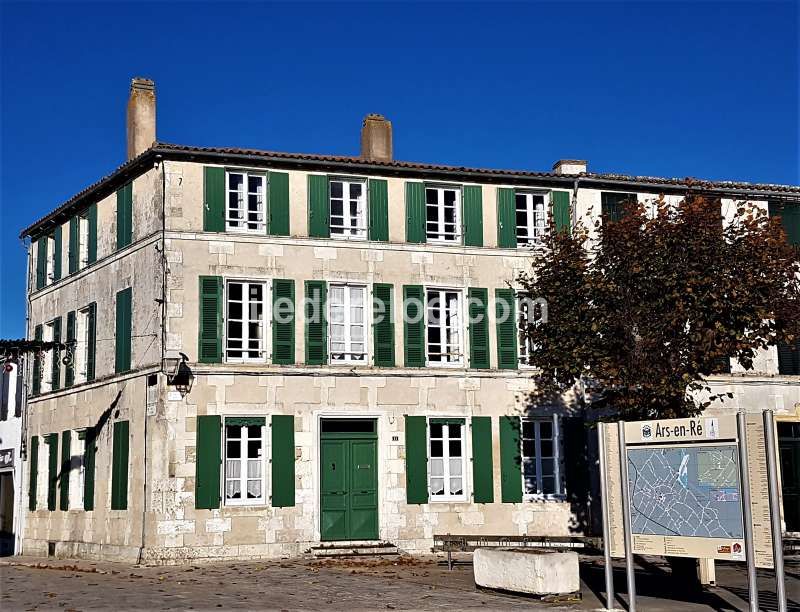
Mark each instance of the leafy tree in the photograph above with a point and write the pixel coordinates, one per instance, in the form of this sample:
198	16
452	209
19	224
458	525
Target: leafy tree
644	308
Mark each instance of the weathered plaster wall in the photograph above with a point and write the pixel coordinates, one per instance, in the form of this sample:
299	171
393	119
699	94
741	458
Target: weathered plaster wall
184	532
101	533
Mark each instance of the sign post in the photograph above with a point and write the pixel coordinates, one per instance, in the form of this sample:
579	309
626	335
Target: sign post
626	522
775	512
749	548
703	487
609	569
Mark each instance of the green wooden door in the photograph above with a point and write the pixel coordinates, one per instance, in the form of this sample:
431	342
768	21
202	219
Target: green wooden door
363	490
334	490
349	484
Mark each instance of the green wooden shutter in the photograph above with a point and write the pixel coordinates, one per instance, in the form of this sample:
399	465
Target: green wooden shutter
119	466
482	467
278	224
33	475
506	219
88	469
124	216
319	214
55	374
414	326
790	219
283	330
473	215
283	474
478	328
316	327
208	461
66	466
789	358
52	469
560	202
214	196
69	370
210	324
41	262
378	210
36	385
91	247
416	460
91	341
383	325
510	460
122	361
505	315
74	244
57	254
415	212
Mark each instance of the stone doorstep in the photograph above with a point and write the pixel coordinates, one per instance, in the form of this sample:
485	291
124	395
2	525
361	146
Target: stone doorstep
354	549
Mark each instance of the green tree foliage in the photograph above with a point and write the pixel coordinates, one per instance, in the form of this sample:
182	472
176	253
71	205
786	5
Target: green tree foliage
640	311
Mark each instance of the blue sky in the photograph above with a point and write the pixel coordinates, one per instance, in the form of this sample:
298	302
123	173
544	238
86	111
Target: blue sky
675	89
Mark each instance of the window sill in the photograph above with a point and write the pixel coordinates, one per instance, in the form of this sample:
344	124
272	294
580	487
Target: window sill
348	238
448	366
449	500
543	499
246	505
456	242
234	230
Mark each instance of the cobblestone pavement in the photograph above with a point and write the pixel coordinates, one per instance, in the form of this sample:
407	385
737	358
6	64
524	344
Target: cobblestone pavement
383	584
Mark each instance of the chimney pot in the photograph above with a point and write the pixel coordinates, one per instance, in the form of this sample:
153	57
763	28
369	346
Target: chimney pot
376	138
141	119
570	166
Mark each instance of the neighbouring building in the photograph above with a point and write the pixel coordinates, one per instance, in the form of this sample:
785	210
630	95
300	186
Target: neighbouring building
11	402
201	417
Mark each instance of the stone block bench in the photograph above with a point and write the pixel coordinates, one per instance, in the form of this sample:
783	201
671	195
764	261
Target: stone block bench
533	571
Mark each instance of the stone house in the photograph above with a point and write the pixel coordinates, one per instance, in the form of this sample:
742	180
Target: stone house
11	403
269	351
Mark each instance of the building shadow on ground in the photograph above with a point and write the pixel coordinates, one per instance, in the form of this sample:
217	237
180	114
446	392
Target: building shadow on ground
651	581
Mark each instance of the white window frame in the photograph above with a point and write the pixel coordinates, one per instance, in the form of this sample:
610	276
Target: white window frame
440	236
83	242
531	233
349	356
47	361
241	224
556	429
81	350
51	259
362	215
265	321
243	463
77	473
460	327
522	349
465	454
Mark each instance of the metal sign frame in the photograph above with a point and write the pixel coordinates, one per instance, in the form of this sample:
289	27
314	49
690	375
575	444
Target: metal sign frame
740	434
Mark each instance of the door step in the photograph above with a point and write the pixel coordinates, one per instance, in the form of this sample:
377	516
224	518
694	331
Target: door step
355	549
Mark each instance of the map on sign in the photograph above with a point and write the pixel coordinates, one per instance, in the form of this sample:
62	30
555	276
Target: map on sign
690	491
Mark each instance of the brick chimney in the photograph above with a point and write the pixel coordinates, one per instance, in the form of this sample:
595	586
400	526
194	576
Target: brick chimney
141	121
570	166
376	138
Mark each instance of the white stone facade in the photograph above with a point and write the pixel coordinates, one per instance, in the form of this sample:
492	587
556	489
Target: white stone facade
170	251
